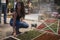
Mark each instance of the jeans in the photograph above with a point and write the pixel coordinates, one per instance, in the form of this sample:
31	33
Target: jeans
19	24
4	9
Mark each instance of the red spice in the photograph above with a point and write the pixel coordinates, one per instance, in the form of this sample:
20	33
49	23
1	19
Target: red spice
50	21
41	26
59	31
48	36
49	31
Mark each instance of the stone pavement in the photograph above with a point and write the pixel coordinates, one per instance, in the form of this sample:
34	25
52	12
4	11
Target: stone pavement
5	30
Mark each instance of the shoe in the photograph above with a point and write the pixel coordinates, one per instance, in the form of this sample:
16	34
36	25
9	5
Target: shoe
18	33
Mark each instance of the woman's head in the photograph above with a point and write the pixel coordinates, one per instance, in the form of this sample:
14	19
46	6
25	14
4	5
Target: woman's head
20	6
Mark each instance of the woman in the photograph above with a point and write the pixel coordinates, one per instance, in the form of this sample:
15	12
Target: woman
17	20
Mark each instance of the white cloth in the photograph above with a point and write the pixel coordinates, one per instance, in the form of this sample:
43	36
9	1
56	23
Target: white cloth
3	1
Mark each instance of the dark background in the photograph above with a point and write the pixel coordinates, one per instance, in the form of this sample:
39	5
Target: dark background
57	2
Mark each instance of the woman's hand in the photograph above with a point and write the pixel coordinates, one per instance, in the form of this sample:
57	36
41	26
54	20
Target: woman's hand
22	19
14	32
14	21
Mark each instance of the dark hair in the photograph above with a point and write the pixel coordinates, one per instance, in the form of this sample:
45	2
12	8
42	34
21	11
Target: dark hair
22	11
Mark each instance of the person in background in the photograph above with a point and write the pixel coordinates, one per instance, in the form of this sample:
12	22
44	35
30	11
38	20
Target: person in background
17	20
15	2
29	5
4	9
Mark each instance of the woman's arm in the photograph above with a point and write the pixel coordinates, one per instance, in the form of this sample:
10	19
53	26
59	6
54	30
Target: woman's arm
14	21
22	17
